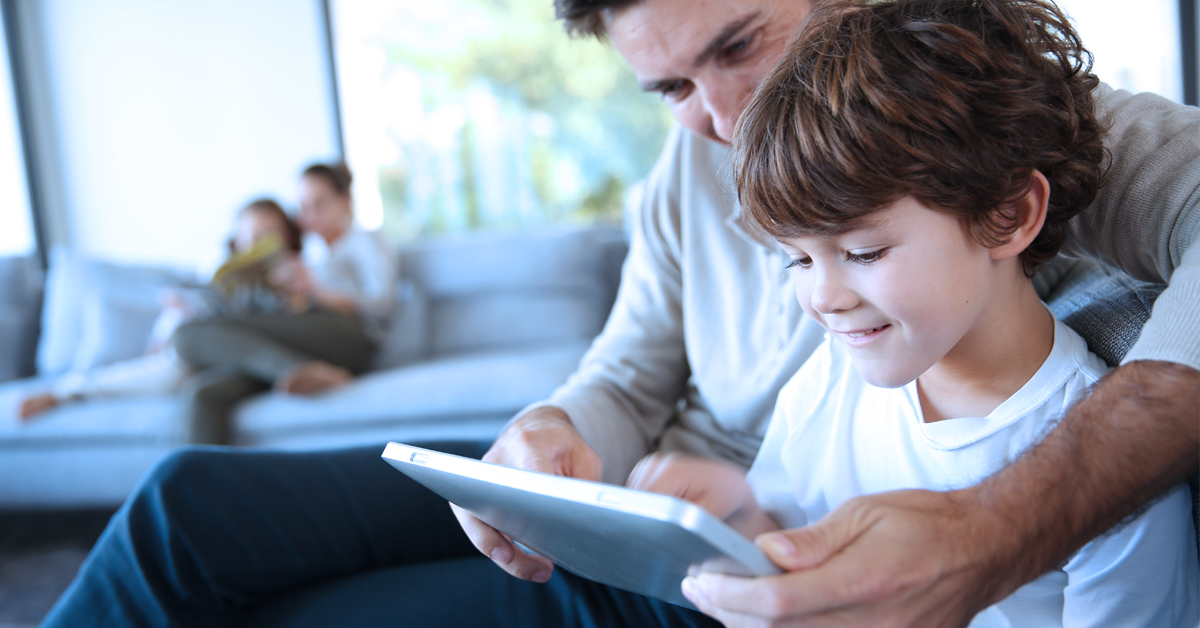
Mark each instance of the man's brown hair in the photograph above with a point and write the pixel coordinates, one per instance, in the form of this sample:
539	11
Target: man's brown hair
586	17
954	102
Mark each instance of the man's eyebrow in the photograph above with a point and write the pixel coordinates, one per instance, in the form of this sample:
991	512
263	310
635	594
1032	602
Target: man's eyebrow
722	38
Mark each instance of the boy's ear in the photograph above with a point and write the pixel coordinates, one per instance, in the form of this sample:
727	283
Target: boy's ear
1029	214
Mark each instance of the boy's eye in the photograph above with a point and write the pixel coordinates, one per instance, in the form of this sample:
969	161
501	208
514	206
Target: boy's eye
800	262
866	258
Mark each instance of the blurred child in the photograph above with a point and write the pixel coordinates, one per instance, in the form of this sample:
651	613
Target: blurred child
264	238
918	160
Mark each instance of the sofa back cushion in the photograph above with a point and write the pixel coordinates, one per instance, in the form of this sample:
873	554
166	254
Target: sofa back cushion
98	312
512	290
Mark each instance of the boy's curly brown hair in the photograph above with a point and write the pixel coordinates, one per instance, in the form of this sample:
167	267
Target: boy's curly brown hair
954	102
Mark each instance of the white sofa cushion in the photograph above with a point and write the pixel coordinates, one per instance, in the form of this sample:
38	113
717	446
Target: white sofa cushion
125	420
492	385
97	312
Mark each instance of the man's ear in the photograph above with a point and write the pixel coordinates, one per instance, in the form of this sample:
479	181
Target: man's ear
1029	214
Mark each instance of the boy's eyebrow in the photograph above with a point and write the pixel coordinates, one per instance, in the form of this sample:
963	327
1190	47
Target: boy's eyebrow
723	38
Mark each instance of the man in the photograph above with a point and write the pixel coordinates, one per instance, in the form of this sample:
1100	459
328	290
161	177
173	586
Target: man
704	333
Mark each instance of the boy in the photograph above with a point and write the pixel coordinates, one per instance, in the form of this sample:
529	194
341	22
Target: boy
918	160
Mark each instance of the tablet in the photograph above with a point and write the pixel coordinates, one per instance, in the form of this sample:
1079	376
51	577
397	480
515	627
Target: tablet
633	540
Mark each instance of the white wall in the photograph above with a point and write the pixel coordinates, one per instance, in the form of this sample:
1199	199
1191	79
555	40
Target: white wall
170	114
16	229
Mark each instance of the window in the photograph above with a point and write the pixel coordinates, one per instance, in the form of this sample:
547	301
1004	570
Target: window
16	226
466	115
1136	45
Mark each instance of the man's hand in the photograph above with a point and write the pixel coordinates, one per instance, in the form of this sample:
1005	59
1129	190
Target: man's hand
716	486
867	563
542	440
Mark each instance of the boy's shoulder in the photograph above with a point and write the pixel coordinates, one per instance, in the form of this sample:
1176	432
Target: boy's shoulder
1076	354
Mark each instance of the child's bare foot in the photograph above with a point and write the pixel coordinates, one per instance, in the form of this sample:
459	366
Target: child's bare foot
312	378
37	404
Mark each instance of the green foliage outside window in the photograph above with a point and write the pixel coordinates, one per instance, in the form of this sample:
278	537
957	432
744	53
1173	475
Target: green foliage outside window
544	128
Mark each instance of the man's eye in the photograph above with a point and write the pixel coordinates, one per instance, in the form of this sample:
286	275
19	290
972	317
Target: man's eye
866	258
674	90
800	262
737	48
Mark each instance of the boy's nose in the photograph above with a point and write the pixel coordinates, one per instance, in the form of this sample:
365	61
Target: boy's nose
831	295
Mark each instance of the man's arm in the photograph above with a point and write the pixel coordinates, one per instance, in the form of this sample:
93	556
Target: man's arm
928	559
615	406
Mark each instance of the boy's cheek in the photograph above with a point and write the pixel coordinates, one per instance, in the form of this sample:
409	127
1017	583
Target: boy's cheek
803	290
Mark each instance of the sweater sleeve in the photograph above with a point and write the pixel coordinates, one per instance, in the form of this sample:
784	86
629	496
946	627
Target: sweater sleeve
1145	218
629	383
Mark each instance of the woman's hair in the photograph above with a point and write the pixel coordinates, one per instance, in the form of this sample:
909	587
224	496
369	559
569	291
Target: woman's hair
293	238
952	102
337	175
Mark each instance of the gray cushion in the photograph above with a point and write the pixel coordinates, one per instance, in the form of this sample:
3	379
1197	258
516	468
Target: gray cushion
514	290
1103	305
20	311
407	338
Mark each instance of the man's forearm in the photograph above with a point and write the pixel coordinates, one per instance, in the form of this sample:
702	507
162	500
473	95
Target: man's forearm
1135	436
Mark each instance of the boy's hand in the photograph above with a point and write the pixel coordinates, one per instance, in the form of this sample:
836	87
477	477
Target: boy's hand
542	440
716	486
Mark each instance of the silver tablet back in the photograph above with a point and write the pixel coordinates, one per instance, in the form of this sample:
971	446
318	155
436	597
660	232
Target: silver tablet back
641	542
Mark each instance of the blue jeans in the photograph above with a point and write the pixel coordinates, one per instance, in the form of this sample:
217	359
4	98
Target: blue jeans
220	537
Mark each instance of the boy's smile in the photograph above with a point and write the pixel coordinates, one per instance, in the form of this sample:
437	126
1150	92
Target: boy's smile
903	290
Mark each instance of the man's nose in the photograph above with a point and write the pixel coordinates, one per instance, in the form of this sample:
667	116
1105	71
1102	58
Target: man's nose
723	107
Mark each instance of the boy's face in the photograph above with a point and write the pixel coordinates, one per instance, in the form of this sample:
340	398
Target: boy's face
901	291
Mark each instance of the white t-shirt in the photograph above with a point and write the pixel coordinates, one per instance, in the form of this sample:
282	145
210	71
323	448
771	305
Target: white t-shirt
359	267
834	437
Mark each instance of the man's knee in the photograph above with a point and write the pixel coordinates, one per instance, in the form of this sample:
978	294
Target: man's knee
181	471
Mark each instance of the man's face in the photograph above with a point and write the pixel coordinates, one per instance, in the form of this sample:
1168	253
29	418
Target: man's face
902	292
705	57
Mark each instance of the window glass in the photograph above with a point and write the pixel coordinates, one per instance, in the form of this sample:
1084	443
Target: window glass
1135	44
16	228
464	115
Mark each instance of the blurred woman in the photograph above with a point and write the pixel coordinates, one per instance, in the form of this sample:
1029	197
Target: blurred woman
349	287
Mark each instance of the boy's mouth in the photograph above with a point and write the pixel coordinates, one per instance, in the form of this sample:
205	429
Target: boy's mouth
863	333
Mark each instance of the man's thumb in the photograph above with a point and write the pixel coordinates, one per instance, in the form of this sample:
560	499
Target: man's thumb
807	547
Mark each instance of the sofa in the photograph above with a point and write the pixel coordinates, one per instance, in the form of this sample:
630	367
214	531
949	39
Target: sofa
485	326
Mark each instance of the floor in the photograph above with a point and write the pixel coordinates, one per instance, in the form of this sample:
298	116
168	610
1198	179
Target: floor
39	555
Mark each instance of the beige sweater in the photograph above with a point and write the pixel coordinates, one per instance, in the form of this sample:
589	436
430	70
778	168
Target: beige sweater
706	329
